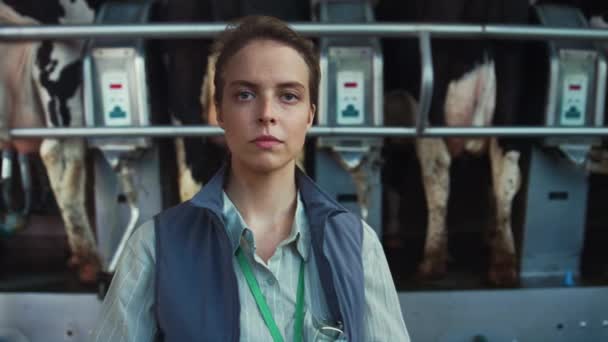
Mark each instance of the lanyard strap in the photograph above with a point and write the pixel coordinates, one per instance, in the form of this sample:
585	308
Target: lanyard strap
263	306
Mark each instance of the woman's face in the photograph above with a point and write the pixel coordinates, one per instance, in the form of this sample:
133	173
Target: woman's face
265	109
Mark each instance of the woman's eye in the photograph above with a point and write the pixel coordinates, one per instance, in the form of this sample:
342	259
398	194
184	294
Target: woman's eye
289	97
244	95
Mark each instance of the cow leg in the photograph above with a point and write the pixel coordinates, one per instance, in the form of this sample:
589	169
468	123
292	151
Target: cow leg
65	165
506	180
435	166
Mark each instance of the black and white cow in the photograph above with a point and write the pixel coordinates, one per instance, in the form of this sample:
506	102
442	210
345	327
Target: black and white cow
56	70
476	84
46	91
53	68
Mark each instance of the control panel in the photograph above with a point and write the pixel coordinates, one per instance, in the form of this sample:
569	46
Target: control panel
115	98
574	100
350	97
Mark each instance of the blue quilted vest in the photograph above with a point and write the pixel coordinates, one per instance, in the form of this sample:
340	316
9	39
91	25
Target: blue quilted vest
196	288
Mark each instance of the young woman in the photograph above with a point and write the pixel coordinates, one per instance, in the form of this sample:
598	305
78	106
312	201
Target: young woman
260	253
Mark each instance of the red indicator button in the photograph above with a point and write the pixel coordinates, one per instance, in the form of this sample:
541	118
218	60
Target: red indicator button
575	87
115	86
350	84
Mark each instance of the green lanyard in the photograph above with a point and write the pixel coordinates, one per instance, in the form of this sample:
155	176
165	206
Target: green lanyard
263	306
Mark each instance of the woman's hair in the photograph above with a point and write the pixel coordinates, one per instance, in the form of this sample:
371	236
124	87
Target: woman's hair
251	28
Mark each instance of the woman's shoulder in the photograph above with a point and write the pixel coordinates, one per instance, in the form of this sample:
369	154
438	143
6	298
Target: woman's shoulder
141	243
371	243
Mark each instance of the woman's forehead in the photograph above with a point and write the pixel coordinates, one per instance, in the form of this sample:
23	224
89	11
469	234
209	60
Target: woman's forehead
262	61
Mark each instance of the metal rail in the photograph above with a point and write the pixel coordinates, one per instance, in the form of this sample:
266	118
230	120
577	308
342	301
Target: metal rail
206	30
424	33
183	131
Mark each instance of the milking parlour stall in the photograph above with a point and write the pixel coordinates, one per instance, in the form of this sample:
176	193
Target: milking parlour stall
471	135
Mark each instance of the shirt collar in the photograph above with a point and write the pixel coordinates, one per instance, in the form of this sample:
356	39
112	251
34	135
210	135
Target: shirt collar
237	228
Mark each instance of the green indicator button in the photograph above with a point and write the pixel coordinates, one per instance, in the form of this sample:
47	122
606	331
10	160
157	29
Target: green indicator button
573	113
118	113
350	112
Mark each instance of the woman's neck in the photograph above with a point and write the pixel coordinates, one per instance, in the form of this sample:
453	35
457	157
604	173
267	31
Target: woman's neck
267	202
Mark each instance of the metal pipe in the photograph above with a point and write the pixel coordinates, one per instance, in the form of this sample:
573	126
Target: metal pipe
182	131
125	175
90	132
426	81
529	32
207	30
514	131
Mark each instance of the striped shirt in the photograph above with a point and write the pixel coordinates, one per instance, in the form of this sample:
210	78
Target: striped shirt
128	310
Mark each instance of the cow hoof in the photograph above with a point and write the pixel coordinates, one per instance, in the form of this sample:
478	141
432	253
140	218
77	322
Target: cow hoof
88	272
503	272
433	268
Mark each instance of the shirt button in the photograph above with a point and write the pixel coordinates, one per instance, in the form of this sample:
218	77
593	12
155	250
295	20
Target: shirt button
270	281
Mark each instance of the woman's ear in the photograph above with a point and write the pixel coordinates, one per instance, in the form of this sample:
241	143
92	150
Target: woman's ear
311	115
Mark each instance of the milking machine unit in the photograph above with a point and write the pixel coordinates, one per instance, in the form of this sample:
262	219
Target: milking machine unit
558	184
116	95
350	95
15	218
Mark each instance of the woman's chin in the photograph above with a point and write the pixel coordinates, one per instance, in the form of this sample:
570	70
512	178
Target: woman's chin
265	164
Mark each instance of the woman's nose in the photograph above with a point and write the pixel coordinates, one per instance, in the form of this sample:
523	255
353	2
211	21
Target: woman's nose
266	114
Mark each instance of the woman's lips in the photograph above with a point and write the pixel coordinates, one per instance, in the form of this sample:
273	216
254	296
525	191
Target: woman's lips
266	142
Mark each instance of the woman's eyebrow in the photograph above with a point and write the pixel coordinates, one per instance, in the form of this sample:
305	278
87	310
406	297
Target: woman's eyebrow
293	84
249	84
242	83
